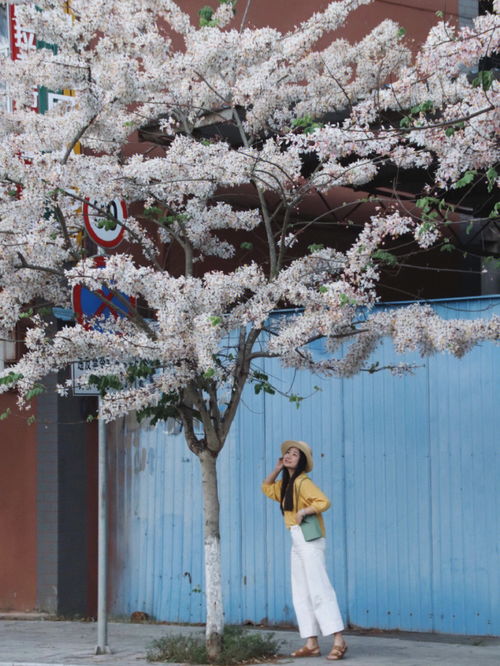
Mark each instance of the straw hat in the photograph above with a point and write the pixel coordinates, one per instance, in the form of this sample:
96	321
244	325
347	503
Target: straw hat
302	446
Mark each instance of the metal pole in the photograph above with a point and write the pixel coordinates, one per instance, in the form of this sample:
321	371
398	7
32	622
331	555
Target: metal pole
102	535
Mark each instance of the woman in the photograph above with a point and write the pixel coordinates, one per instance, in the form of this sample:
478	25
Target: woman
314	598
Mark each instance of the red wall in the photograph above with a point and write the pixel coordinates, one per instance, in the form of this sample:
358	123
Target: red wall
17	509
416	16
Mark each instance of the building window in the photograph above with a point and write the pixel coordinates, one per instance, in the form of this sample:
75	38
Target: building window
493	60
4	50
467	10
4	31
485	6
8	351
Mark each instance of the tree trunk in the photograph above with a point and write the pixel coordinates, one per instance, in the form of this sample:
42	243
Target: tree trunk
213	580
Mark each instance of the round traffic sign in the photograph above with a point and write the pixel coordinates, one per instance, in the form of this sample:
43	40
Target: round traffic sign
95	222
102	303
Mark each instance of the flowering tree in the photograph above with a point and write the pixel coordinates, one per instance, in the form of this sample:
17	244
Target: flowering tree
193	339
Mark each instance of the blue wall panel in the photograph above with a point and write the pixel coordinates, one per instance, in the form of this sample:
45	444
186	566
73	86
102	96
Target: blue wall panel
387	501
156	525
464	442
411	465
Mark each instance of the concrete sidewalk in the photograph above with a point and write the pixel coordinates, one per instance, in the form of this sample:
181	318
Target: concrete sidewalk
44	642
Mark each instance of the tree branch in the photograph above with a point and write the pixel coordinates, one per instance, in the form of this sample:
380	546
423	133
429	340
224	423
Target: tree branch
35	267
76	139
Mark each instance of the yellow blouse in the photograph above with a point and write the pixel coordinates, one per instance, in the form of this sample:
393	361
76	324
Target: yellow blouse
310	495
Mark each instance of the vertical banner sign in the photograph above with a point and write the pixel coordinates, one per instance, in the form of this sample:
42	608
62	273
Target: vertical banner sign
22	42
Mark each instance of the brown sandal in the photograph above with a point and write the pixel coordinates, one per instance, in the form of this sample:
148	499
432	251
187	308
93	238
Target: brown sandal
306	652
337	652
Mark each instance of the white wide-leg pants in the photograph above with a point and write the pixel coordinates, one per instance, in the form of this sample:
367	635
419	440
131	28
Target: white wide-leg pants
314	598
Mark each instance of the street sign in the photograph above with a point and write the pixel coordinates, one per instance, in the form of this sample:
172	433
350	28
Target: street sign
89	305
94	222
84	367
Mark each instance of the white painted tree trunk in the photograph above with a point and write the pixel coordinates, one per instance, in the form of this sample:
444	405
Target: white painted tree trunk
212	552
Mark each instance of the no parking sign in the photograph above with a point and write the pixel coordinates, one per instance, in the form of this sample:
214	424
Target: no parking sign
89	305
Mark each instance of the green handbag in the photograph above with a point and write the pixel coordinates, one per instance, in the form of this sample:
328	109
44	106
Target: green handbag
311	528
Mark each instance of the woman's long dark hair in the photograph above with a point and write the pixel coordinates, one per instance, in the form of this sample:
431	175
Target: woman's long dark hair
287	484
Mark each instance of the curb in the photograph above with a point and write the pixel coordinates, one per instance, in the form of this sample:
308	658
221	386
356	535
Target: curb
17	617
91	660
34	663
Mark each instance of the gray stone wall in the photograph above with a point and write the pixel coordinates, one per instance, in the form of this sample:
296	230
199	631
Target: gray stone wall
62	505
47	498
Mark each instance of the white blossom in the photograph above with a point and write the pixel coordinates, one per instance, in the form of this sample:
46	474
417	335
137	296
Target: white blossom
273	90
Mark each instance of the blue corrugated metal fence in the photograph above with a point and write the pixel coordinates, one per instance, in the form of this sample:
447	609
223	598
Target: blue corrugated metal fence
411	465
